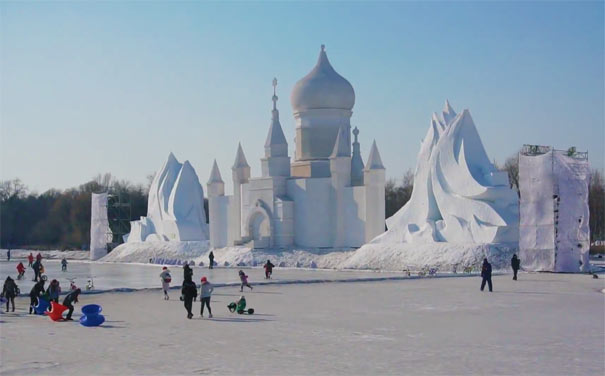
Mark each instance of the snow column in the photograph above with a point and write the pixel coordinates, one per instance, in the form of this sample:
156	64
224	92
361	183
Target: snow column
100	233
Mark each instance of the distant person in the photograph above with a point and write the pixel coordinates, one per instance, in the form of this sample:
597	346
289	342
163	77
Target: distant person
189	291
30	259
211	258
54	290
8	256
206	290
244	279
35	293
166	279
187	272
36	267
515	263
268	269
9	291
486	274
64	264
39	257
20	270
69	301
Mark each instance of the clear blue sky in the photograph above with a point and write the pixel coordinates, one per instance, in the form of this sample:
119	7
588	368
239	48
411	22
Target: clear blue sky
114	87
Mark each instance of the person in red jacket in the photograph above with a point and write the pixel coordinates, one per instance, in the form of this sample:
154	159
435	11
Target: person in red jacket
38	257
30	259
20	270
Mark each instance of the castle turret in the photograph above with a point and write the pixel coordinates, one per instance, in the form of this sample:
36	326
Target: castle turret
356	162
216	211
241	175
340	172
374	180
276	161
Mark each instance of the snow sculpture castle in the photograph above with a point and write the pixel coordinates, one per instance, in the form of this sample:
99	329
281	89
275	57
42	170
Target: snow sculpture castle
325	198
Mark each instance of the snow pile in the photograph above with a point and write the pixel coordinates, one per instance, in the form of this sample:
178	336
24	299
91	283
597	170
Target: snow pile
175	208
445	257
158	251
296	258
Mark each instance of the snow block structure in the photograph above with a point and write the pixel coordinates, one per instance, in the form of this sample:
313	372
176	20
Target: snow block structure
459	198
100	233
175	207
554	232
325	198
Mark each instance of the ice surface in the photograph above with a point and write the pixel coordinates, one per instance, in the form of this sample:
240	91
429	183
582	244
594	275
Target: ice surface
175	208
441	326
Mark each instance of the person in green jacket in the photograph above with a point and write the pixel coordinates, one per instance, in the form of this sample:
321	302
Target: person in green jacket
239	306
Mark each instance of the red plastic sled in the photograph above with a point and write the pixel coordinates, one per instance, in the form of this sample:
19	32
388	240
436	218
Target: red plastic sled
56	311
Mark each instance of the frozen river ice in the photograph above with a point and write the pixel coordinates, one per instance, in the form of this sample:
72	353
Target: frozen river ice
543	324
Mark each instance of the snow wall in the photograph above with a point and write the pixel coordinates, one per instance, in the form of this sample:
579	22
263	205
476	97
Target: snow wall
554	233
100	233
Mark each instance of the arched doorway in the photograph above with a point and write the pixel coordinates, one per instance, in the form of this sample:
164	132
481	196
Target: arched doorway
259	228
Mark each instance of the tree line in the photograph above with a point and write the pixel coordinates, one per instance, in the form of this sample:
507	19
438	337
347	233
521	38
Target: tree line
61	219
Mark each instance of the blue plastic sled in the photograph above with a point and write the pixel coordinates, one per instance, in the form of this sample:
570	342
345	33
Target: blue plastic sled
91	315
42	306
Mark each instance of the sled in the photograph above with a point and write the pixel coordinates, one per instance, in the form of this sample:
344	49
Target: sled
56	311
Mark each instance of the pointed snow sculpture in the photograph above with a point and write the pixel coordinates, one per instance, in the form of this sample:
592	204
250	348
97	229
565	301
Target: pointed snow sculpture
458	195
374	160
357	165
175	208
276	161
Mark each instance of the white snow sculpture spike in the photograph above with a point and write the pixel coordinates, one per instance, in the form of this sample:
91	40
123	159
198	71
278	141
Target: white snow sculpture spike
448	113
458	194
341	147
175	207
215	174
374	160
240	158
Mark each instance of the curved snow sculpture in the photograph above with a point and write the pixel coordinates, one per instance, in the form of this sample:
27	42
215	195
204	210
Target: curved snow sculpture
175	208
458	196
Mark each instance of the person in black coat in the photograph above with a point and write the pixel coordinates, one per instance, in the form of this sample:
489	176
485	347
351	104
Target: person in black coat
36	267
187	272
71	298
515	263
35	293
486	274
9	291
189	291
211	259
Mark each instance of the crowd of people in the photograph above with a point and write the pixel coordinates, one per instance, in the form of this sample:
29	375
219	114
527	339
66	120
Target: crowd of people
10	289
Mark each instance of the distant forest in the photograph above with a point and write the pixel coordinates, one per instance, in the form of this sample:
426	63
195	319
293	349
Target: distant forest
61	219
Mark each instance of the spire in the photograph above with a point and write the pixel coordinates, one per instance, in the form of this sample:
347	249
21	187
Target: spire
448	113
374	160
341	147
240	158
356	161
276	134
215	174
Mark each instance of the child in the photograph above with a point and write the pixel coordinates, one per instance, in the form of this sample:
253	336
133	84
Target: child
35	293
244	278
20	270
165	277
9	291
53	291
205	293
268	269
64	264
189	291
239	306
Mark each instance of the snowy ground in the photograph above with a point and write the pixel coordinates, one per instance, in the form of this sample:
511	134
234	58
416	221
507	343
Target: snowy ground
543	324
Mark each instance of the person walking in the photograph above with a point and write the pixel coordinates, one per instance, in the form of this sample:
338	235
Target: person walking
211	258
189	291
69	301
30	259
268	269
39	257
9	291
54	289
8	255
515	263
244	279
35	293
166	278
486	274
187	272
36	267
20	270
64	264
206	290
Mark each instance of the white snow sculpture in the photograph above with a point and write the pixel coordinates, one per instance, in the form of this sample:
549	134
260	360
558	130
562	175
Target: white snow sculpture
175	207
458	196
100	233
